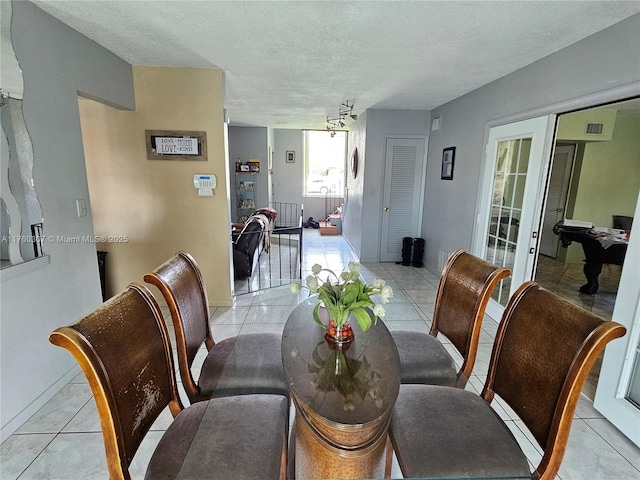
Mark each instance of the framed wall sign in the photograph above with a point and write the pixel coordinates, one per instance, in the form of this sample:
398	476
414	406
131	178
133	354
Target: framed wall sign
176	145
291	157
448	157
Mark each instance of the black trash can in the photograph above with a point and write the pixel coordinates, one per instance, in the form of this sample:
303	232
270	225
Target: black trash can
103	276
418	252
407	245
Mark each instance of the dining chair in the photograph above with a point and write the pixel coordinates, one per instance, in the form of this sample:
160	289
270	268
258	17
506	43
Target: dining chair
465	287
543	351
124	351
248	363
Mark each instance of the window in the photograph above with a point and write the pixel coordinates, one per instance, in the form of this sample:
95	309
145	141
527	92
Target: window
324	163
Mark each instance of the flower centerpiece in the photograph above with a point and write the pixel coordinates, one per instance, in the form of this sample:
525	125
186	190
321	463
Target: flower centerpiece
344	295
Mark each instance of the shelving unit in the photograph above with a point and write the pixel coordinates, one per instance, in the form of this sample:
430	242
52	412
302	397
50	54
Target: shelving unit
246	189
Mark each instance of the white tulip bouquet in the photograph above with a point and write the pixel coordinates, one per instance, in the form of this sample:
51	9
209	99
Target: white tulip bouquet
346	294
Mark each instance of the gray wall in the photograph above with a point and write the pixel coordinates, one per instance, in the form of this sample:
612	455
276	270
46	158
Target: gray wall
353	203
57	62
287	177
603	61
270	147
380	125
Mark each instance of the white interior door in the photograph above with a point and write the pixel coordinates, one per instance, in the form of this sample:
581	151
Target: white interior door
559	180
513	184
618	393
403	180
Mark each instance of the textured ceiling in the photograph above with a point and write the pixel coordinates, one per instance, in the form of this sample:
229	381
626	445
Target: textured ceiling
291	64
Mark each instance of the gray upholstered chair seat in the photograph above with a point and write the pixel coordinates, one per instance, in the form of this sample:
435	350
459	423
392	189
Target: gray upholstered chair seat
244	364
423	359
231	437
247	365
444	432
464	289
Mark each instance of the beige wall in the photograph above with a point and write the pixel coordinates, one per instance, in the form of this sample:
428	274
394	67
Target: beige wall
153	202
609	179
573	127
610	175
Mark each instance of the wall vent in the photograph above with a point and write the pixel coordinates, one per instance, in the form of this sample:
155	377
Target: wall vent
435	124
595	128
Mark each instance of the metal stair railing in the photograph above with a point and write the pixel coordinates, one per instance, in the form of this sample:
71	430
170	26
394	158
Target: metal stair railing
281	263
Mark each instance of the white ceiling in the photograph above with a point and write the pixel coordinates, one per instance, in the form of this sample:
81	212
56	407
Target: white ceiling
292	64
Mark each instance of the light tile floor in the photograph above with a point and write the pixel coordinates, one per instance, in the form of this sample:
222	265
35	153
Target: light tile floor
63	440
565	279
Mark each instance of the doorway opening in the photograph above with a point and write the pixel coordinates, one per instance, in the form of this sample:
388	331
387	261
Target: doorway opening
594	178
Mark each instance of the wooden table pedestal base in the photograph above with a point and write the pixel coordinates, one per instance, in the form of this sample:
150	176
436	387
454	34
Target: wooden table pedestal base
320	458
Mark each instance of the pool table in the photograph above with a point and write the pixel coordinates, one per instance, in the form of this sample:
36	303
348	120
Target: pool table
595	254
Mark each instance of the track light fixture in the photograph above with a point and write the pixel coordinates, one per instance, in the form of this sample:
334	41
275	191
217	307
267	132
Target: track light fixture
345	110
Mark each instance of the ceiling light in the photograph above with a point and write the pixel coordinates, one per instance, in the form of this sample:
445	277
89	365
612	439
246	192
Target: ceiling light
345	111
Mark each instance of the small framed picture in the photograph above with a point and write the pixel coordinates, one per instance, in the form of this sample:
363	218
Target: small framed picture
448	157
291	157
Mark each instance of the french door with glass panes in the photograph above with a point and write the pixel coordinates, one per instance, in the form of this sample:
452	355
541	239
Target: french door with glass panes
506	232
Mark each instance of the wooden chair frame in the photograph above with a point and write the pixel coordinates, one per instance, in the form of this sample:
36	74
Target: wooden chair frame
187	348
543	351
124	351
553	439
119	451
463	333
467	344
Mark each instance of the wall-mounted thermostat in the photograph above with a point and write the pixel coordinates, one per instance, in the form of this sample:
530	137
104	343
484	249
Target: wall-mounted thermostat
205	183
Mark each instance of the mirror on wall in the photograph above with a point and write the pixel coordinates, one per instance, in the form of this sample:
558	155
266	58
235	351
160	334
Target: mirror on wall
21	219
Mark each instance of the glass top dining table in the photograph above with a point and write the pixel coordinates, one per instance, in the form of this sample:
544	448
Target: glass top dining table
353	386
343	398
